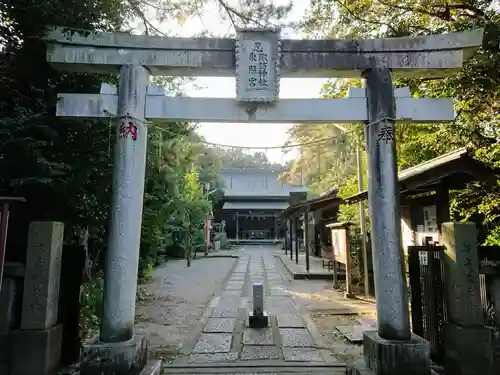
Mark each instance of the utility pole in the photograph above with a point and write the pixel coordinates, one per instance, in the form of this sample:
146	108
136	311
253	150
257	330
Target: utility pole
362	224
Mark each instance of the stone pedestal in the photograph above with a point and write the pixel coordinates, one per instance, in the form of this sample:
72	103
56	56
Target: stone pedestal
101	358
390	357
471	350
7	301
36	352
258	320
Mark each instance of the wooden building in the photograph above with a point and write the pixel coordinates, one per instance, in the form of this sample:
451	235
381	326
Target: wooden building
424	191
253	200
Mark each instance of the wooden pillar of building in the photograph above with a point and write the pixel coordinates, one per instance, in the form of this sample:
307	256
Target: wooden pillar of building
237	227
442	208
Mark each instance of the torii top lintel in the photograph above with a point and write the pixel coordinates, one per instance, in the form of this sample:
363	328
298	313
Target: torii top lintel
423	56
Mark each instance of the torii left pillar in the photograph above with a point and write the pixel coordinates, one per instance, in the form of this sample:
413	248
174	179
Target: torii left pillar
117	350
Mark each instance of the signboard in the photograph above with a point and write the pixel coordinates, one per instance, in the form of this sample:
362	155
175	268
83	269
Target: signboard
339	245
258	54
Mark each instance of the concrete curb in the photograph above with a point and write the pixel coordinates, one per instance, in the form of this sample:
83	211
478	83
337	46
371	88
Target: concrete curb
303	275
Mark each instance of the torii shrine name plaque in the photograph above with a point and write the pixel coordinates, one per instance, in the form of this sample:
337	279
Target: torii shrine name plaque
258	54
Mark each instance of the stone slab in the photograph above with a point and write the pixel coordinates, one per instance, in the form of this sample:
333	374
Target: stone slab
43	274
296	337
471	350
100	358
152	367
213	343
234	279
239	288
230	312
36	352
258	352
213	357
387	357
230	293
358	367
302	355
227	302
220	325
255	336
238	284
290	321
354	333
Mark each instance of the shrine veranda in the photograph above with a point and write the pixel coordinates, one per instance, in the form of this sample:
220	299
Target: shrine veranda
258	58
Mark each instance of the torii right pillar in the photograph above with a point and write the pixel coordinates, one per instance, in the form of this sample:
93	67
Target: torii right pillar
392	349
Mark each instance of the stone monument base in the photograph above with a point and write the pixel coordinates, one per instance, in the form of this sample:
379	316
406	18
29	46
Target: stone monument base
471	350
388	357
114	358
258	321
36	352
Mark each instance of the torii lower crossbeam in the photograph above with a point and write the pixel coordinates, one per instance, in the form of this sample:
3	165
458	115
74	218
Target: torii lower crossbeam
344	110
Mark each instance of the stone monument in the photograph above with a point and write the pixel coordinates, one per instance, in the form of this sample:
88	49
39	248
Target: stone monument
471	347
39	338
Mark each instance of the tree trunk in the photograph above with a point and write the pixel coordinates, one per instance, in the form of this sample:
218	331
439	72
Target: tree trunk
187	250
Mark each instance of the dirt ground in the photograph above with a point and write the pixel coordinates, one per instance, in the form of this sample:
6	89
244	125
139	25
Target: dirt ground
176	299
329	309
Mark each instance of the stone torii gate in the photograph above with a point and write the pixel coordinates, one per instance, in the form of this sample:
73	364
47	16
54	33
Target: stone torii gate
258	58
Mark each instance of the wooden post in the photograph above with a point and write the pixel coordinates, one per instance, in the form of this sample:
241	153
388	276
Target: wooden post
296	241
442	208
306	237
291	237
348	281
287	229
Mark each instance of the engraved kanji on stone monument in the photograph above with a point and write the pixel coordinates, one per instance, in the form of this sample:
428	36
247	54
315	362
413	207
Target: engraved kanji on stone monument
258	55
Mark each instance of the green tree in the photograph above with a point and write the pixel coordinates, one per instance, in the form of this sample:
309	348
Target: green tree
475	90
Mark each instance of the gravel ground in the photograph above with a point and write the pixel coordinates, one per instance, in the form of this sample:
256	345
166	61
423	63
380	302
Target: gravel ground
175	300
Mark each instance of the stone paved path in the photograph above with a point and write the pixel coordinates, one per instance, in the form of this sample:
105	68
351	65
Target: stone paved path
223	335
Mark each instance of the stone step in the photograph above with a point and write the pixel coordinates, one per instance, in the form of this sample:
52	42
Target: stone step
235	368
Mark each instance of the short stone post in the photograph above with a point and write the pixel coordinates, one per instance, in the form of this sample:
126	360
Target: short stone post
118	350
37	345
258	318
469	345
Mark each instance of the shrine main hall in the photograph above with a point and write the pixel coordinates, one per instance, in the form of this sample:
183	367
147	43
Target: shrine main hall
253	200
